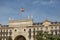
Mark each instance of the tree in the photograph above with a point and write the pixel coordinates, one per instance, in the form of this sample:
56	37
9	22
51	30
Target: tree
39	35
44	36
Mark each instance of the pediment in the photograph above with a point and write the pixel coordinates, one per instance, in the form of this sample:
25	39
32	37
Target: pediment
46	23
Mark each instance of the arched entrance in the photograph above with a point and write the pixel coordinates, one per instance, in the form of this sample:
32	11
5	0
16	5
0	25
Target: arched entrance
20	37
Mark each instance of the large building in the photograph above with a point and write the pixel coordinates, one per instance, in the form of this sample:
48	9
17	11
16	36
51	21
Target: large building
27	29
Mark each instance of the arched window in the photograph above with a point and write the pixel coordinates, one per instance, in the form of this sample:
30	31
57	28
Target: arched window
6	32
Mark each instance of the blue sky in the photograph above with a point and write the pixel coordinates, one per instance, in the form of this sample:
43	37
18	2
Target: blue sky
39	9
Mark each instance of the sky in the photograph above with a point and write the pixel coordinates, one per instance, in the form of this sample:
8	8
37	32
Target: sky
39	9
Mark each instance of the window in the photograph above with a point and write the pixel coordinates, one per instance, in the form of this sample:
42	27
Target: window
29	33
51	22
59	28
37	29
34	33
46	28
15	30
10	32
55	27
6	32
52	32
24	29
51	27
1	31
41	28
56	32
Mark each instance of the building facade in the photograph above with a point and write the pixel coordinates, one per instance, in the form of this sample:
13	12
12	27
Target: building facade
27	29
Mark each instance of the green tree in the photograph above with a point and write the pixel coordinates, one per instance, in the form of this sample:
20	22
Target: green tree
39	35
45	36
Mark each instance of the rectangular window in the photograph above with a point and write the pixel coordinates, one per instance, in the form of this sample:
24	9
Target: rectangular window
56	32
51	27
52	32
46	28
41	28
59	30
55	27
10	32
34	33
29	33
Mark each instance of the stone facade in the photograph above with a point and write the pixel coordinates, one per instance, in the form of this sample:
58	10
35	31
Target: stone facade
27	29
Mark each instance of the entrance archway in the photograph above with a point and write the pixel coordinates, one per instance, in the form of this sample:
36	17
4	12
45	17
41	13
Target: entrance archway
20	37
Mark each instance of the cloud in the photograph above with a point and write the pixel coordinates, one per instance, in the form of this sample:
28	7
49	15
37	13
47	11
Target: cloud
35	2
5	13
4	10
47	2
44	2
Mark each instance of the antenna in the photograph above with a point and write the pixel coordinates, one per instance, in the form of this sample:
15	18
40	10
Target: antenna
28	17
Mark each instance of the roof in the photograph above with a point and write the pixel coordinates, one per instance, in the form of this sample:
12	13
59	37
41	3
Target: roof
26	20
